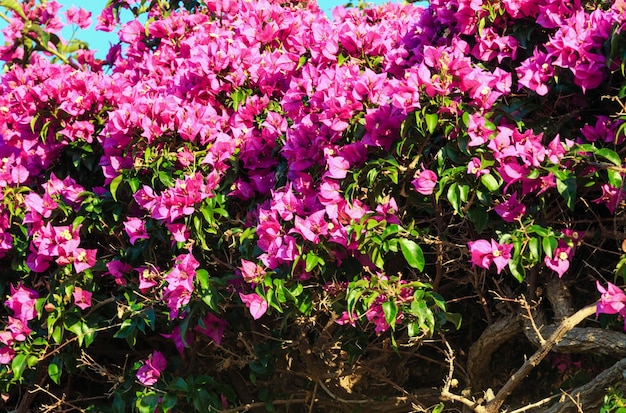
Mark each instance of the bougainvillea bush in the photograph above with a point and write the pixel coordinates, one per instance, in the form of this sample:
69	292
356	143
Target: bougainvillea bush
249	205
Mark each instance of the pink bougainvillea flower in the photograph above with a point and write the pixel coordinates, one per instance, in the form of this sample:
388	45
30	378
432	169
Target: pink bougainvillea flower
212	326
135	229
610	197
185	157
132	31
176	298
338	166
117	269
576	237
7	354
79	17
474	168
311	227
41	205
535	72
150	372
255	303
179	231
612	300
183	272
560	258
148	278
285	203
82	298
83	259
22	303
376	316
425	182
106	20
251	271
346	318
511	209
177	337
484	253
19	329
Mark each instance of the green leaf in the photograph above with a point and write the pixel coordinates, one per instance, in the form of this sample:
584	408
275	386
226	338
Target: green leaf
438	408
615	178
454	318
57	334
118	405
18	365
352	298
178	384
202	276
549	244
490	182
517	269
15	6
567	189
479	217
115	183
453	196
303	59
413	253
431	121
390	308
413	329
55	369
610	156
424	314
311	261
533	246
147	403
168	402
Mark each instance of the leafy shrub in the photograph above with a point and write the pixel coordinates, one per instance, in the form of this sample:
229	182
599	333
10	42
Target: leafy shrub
248	199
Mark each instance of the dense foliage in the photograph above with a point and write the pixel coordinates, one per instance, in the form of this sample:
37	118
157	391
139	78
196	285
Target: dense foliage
250	204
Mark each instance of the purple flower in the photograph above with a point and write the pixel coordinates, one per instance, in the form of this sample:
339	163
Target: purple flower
177	337
149	373
511	209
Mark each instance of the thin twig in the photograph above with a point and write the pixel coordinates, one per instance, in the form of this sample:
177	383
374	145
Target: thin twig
248	406
576	402
59	401
536	404
446	394
313	397
524	303
339	399
396	386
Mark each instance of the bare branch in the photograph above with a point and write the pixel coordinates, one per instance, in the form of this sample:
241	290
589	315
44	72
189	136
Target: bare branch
565	326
